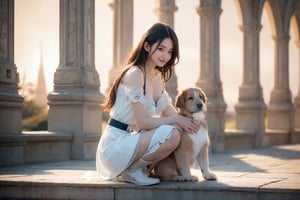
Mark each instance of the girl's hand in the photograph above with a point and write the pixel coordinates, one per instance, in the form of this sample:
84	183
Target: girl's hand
188	124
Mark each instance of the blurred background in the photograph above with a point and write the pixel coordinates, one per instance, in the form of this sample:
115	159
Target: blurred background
37	42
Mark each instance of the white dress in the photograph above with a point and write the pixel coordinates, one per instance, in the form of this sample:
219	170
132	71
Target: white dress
117	148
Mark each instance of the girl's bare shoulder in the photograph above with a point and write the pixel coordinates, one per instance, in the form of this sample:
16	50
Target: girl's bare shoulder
134	77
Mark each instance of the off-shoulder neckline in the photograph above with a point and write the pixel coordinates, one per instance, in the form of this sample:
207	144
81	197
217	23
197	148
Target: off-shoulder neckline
147	96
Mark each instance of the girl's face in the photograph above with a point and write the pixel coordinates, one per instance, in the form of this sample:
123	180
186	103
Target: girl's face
161	53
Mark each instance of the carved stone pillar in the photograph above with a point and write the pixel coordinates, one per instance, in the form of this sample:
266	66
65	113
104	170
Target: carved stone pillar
250	110
11	102
76	98
280	110
122	35
297	98
165	13
209	79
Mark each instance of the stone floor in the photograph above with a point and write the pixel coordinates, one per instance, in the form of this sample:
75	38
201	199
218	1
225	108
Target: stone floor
266	173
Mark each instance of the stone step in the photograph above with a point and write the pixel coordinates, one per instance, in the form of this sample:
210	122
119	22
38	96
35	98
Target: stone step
34	147
164	191
267	173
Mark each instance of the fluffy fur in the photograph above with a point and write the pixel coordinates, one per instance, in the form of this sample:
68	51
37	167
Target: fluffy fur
193	148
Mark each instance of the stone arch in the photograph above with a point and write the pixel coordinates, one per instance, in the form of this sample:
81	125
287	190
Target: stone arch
249	11
279	13
295	22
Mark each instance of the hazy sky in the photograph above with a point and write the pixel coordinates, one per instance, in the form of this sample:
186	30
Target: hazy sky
37	22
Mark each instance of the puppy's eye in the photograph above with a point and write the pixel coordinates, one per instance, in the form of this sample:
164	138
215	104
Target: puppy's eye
190	98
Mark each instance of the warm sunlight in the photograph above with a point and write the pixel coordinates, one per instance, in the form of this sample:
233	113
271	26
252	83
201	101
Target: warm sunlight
79	120
37	24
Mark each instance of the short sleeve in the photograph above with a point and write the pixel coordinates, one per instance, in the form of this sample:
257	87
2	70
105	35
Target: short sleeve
135	94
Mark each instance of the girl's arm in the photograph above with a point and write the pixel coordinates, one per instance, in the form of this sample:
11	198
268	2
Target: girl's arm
146	122
134	77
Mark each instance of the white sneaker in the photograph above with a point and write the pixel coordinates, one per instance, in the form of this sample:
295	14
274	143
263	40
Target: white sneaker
138	177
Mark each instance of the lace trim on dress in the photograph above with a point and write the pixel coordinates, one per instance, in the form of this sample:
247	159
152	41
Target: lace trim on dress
156	146
135	94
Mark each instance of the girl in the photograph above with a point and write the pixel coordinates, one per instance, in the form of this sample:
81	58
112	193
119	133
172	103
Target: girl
144	127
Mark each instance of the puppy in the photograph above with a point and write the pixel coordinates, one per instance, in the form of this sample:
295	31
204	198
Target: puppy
191	102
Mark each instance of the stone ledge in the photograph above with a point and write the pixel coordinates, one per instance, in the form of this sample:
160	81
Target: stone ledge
236	133
36	146
295	138
47	146
42	136
28	136
239	139
278	137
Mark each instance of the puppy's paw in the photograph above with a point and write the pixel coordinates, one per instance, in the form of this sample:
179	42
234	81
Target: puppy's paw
191	178
179	178
209	176
187	178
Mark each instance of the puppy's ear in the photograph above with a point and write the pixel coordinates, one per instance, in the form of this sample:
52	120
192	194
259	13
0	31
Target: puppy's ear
180	99
203	95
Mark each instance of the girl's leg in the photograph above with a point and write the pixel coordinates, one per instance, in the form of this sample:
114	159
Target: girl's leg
152	148
164	149
164	163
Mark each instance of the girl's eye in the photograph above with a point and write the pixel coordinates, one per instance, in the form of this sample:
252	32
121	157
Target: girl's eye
190	98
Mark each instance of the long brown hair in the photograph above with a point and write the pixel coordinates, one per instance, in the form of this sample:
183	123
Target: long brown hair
156	33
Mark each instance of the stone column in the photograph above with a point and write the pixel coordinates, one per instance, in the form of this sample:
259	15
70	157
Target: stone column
297	98
280	110
11	102
75	101
122	35
209	79
165	13
250	110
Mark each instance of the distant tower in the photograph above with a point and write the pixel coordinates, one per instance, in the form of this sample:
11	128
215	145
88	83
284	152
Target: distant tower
41	91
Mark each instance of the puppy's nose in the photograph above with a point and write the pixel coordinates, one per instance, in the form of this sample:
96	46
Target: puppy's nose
199	105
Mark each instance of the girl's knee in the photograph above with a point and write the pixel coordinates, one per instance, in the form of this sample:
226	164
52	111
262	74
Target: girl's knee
174	139
165	148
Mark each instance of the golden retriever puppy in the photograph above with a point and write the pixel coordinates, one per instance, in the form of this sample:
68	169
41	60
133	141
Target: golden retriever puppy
191	102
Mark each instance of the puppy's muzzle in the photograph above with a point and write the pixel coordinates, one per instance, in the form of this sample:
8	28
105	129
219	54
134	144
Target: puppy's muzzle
200	105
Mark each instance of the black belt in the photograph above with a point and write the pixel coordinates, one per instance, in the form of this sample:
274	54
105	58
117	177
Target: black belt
119	125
